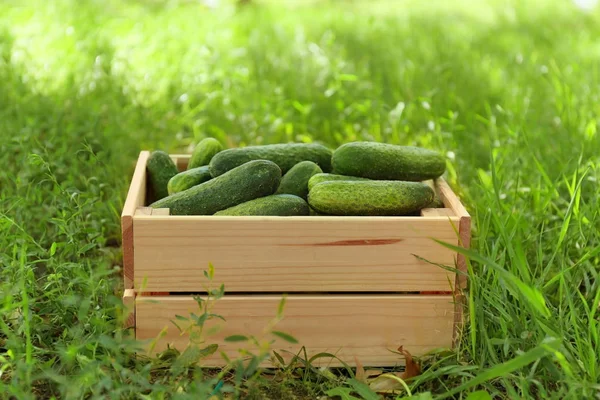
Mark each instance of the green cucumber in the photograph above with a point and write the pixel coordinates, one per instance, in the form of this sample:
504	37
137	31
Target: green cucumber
387	161
186	179
296	180
161	169
284	155
276	204
204	152
249	181
318	178
369	197
436	202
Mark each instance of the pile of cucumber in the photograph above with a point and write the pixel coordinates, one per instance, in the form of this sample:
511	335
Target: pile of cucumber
358	178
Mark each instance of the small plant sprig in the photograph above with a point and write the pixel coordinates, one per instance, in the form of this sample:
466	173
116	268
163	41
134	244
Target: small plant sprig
247	365
244	368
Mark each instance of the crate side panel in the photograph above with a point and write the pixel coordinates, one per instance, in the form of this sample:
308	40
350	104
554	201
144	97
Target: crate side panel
290	255
363	327
136	197
129	308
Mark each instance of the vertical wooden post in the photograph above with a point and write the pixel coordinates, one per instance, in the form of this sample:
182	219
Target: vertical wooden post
464	232
135	198
129	308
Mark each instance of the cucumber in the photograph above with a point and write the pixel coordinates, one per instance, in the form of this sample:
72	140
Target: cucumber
296	180
436	202
276	204
284	155
249	181
369	197
387	161
186	179
318	178
204	152
160	169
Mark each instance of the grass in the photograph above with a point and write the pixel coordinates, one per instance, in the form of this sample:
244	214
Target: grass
508	90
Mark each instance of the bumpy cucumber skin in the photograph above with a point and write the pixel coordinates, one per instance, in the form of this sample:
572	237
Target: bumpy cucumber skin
436	202
387	161
160	169
249	181
369	197
285	155
318	178
186	179
274	205
296	180
204	151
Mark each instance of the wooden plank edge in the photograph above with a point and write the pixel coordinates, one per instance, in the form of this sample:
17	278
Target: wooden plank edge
129	308
127	243
149	211
459	305
296	218
327	294
178	157
450	199
464	232
143	211
131	203
464	228
437	212
460	284
181	160
175	297
151	294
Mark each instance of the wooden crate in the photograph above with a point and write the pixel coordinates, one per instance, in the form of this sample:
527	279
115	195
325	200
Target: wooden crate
358	287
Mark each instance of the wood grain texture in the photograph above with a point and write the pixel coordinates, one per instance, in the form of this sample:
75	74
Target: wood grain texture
450	199
366	327
160	211
151	211
129	308
136	197
459	322
437	212
464	230
294	254
143	211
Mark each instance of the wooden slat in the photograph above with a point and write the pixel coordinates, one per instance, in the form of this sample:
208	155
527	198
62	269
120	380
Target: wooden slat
160	211
437	212
459	323
136	197
181	160
146	211
129	308
464	229
450	199
294	254
365	327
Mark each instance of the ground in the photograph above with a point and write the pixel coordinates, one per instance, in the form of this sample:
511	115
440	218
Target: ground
507	90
